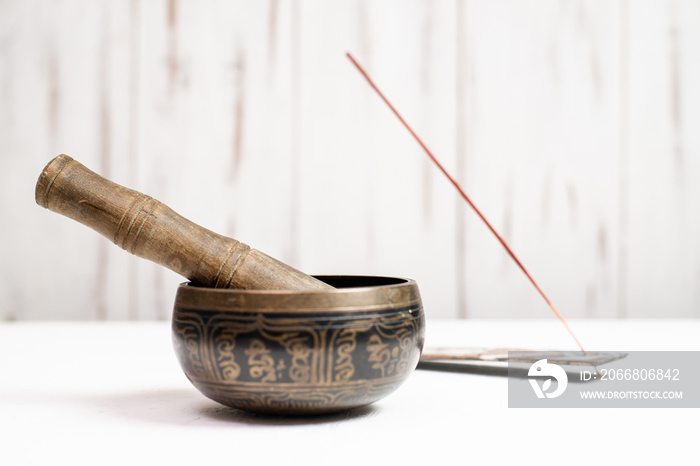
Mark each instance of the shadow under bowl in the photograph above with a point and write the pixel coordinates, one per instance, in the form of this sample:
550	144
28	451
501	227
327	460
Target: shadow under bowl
297	352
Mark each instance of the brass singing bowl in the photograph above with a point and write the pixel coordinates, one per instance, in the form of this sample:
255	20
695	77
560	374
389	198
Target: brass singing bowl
300	352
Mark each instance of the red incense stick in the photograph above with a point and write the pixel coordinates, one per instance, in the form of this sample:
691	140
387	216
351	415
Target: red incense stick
466	198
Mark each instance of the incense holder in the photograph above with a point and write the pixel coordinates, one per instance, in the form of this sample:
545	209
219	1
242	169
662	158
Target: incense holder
300	352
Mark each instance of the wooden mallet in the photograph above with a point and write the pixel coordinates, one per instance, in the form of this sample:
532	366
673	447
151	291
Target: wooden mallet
150	229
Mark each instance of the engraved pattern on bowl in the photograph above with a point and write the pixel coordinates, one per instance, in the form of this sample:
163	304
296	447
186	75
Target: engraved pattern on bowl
300	352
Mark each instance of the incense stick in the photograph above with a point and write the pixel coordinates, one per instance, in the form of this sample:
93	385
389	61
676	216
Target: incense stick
466	198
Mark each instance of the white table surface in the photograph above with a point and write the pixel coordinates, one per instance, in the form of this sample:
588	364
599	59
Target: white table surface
113	393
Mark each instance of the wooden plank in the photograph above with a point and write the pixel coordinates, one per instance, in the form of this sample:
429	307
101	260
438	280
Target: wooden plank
371	202
49	99
216	102
542	151
663	93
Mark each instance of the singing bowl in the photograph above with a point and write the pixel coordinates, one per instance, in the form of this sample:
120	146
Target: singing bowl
300	352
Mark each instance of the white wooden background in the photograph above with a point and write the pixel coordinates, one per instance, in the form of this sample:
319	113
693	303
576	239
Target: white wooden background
574	125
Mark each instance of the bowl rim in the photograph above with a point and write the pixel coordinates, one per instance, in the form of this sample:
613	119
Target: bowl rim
403	294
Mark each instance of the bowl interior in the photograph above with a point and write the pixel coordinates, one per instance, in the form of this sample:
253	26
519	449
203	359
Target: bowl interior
360	281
